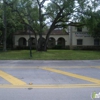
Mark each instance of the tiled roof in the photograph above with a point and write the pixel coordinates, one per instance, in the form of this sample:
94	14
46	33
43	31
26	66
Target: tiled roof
59	32
54	32
22	32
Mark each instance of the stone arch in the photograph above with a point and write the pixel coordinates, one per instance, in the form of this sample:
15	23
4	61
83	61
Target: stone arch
41	43
22	42
31	41
61	42
41	40
51	42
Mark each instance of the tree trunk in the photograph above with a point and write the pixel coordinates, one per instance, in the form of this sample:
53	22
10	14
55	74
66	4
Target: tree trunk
70	38
41	44
5	26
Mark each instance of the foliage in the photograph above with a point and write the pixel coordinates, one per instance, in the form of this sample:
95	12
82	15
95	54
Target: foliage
96	31
13	23
93	23
37	16
91	18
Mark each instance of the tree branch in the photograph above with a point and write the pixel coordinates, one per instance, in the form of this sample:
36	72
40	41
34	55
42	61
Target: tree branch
55	4
23	21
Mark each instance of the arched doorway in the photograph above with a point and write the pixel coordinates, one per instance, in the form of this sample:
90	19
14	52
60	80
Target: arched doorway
31	42
61	42
51	42
22	42
41	44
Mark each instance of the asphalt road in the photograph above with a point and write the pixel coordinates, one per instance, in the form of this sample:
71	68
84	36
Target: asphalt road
49	80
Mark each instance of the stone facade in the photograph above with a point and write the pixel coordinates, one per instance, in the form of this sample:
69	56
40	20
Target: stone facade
73	38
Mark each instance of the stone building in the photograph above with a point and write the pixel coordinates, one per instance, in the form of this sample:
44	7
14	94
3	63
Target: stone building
74	37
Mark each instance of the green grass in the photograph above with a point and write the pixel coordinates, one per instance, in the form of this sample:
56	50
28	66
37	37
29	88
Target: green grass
50	55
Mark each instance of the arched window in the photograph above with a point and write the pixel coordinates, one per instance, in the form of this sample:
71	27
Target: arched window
61	42
31	42
41	42
51	42
22	42
96	42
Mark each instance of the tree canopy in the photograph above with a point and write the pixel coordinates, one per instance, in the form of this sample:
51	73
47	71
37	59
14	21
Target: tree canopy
41	15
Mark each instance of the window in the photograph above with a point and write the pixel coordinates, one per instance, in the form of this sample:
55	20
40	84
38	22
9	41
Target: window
79	29
79	41
96	42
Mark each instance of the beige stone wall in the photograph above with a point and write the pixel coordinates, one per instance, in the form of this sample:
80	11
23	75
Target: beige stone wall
87	39
56	37
74	29
66	37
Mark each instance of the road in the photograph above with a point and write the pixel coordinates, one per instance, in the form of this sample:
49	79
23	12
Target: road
49	80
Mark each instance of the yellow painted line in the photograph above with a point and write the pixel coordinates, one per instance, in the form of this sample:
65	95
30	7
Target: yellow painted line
13	80
51	86
71	67
96	67
97	81
15	67
37	67
20	67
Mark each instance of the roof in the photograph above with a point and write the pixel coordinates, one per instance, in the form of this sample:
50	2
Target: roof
23	32
59	32
54	32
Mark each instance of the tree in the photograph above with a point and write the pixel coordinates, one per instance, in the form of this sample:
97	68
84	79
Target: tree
92	18
56	14
95	27
1	27
4	26
93	23
96	33
9	23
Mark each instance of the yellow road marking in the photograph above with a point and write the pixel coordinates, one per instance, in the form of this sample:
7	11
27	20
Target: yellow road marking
97	67
37	67
97	81
51	86
15	67
11	79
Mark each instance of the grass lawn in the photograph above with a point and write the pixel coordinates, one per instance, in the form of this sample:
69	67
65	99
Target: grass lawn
50	55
